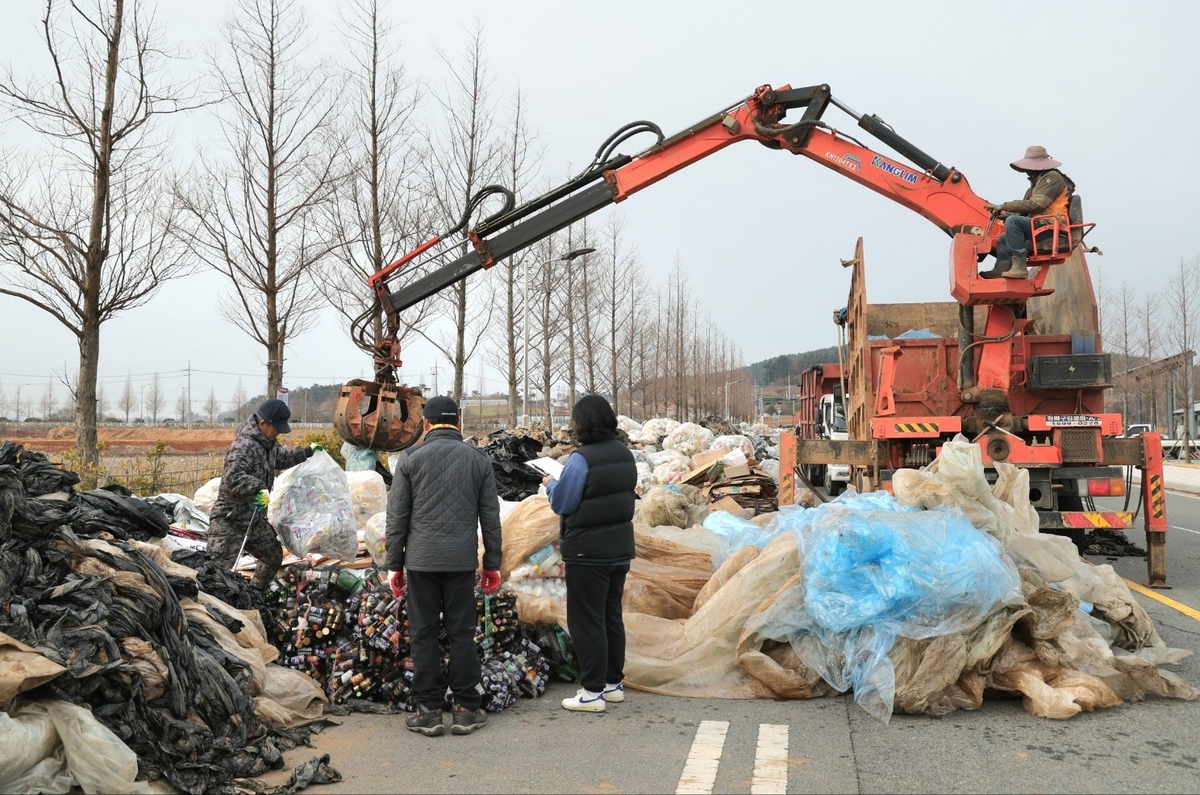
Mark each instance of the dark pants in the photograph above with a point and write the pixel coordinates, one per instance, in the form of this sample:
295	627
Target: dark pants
225	539
594	619
1017	237
436	598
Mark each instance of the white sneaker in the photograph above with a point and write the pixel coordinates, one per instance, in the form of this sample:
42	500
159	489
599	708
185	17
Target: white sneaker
584	701
614	694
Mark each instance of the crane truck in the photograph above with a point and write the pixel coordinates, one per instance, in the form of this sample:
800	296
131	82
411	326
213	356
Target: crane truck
1017	367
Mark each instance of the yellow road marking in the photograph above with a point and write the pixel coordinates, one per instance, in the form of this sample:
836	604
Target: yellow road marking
1190	612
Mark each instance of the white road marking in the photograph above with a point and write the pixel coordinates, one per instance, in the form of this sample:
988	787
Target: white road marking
700	771
1187	529
770	761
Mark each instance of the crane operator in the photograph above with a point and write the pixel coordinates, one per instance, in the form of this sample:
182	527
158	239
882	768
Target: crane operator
1049	193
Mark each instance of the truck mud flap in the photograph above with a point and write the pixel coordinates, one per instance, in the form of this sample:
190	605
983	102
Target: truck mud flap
1084	520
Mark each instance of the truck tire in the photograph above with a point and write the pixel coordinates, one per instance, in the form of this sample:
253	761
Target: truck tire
834	487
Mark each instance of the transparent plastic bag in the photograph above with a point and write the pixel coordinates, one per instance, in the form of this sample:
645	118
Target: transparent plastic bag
84	752
733	441
367	494
654	429
689	439
375	538
734	533
358	459
663	505
312	510
874	571
206	495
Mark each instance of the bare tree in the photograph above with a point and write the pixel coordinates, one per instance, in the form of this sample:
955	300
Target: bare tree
101	404
462	156
1181	297
154	398
380	212
182	407
1147	321
128	399
3	401
212	406
49	403
520	166
85	229
238	401
257	217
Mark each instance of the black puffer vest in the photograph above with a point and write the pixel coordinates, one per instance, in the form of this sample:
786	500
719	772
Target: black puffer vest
601	529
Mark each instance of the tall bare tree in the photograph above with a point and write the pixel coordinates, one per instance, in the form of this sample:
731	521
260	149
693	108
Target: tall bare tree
1182	299
101	404
238	401
520	162
379	213
463	154
85	229
256	216
128	399
154	398
1147	314
212	406
49	403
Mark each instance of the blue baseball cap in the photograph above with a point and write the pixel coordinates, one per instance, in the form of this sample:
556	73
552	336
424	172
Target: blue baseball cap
277	413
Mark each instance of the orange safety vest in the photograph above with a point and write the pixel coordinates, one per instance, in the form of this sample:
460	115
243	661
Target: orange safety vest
1062	202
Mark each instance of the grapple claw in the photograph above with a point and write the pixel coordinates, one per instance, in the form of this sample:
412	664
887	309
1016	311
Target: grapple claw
378	416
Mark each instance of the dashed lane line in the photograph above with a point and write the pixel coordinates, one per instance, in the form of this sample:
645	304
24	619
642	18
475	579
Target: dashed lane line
770	760
700	770
1190	612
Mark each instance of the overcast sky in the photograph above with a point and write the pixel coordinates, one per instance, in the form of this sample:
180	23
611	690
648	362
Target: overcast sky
1109	88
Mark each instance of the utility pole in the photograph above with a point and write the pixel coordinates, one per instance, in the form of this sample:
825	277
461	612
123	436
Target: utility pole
727	385
435	386
189	393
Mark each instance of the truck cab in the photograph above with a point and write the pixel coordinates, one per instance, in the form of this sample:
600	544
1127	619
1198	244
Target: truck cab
831	424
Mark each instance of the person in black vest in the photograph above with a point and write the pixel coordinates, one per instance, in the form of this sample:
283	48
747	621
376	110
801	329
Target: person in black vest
595	498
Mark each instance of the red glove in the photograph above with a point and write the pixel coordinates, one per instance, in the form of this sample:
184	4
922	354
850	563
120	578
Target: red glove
489	582
396	580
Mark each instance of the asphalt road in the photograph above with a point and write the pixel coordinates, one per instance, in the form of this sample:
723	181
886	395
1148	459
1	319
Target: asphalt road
644	744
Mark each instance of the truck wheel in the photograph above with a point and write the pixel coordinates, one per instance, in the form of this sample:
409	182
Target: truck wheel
834	487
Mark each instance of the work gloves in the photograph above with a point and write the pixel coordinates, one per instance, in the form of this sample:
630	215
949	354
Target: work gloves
315	447
489	582
262	499
396	580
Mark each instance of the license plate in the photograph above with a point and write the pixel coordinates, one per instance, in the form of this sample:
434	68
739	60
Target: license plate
1072	421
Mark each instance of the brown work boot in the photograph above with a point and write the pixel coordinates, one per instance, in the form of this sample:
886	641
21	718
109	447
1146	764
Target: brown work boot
426	721
1018	269
467	720
1000	267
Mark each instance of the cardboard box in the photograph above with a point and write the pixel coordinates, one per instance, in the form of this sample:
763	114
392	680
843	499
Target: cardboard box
735	472
725	504
705	460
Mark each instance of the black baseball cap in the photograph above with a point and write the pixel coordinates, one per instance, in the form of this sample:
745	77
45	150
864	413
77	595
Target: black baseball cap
440	408
276	412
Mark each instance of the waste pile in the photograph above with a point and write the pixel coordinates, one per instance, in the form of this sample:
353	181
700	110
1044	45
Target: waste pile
126	666
514	480
346	630
918	603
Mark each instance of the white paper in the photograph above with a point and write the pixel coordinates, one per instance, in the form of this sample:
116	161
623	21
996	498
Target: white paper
548	465
734	458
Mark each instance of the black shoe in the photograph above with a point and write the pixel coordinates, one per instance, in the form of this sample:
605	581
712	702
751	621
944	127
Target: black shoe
467	720
426	721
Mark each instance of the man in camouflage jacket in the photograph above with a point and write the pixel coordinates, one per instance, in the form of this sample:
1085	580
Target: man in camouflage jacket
239	512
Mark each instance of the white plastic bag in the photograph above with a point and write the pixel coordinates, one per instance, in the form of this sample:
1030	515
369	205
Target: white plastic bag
734	441
206	495
688	439
312	510
368	495
375	538
66	746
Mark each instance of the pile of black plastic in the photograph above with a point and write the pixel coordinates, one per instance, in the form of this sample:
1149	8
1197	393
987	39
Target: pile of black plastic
348	631
75	586
515	480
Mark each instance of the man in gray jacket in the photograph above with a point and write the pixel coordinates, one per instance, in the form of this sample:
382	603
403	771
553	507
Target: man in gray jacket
443	490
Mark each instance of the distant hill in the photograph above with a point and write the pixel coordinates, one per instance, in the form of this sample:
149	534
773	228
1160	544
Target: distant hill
778	368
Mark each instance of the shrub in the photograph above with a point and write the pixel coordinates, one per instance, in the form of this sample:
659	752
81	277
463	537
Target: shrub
327	439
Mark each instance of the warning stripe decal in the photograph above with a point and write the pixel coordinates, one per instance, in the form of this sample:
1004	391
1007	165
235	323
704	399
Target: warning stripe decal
1157	499
1116	519
915	427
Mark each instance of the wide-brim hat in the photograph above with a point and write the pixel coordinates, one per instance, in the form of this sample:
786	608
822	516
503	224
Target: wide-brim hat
1036	159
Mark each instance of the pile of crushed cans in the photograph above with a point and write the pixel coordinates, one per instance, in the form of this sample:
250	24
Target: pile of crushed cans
345	629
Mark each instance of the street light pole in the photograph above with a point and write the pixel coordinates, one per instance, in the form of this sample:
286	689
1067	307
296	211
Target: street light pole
727	385
570	255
